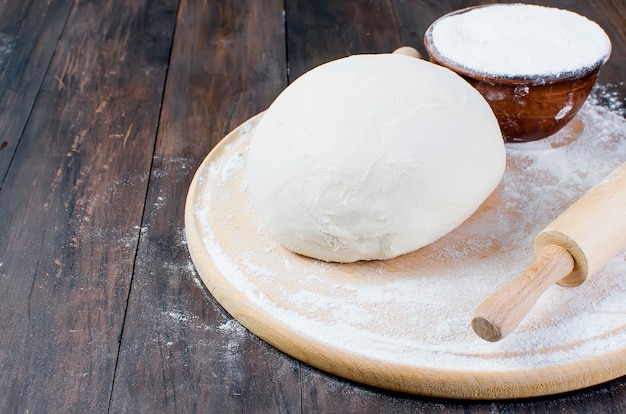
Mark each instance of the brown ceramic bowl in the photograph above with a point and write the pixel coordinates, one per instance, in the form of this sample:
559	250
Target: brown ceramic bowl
528	106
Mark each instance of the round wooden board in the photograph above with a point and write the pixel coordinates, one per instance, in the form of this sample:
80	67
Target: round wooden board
404	324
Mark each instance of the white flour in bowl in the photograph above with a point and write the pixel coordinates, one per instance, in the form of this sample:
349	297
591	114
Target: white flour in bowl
521	41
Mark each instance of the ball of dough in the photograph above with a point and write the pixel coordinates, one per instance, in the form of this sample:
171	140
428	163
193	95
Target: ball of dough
372	156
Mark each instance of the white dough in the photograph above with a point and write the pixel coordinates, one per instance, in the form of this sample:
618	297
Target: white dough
372	156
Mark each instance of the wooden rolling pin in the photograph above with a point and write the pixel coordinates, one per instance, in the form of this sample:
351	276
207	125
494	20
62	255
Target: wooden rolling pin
575	245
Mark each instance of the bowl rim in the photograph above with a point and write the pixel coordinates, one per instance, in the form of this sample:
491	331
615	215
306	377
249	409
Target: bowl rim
525	80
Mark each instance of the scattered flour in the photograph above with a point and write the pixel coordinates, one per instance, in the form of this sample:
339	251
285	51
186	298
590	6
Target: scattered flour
232	327
408	311
180	317
7	45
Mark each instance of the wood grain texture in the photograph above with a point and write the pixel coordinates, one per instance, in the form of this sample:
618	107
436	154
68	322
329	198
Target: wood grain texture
320	31
29	32
74	88
66	244
180	351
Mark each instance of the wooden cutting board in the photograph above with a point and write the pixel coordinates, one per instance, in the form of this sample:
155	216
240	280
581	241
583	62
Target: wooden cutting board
404	324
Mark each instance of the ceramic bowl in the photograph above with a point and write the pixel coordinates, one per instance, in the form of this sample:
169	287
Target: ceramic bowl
528	106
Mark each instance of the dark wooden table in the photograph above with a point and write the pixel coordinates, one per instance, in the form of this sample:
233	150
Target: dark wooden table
106	110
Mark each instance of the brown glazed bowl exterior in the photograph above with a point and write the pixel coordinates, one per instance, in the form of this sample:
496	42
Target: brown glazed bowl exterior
526	109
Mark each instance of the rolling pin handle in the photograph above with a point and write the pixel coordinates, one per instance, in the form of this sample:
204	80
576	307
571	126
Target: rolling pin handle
501	312
408	51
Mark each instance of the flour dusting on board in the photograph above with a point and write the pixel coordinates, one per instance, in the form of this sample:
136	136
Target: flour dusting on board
416	309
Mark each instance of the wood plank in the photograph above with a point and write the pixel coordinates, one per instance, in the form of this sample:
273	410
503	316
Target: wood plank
320	31
180	351
29	31
72	204
323	394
